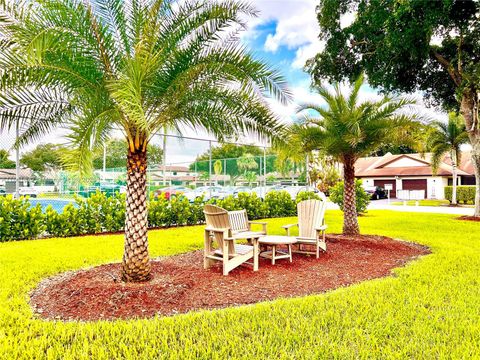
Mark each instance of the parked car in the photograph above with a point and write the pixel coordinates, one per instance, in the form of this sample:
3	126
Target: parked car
376	192
28	191
171	191
208	192
294	190
3	192
240	189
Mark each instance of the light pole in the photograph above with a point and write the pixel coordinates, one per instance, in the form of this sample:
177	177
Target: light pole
17	163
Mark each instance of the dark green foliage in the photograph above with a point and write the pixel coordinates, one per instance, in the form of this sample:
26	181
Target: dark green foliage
361	196
392	42
104	213
5	162
306	195
465	194
279	204
19	221
116	155
42	157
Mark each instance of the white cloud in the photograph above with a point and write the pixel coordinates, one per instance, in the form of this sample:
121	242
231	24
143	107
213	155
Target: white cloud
296	27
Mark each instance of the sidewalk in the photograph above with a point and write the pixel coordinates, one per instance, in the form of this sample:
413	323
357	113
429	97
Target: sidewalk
384	205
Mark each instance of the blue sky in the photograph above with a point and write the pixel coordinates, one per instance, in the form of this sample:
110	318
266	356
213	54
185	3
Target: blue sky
285	34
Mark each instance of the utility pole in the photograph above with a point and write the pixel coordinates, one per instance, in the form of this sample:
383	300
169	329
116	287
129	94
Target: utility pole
210	166
164	156
104	161
17	163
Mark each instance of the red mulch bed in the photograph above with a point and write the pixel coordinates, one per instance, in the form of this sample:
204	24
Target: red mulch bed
469	218
180	284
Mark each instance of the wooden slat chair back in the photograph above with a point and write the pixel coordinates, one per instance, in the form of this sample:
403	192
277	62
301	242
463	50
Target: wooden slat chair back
238	221
217	218
219	229
311	215
311	226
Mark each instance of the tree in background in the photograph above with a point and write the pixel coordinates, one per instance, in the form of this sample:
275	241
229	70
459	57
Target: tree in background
291	155
5	162
347	129
447	138
43	157
117	152
217	167
137	66
250	177
323	172
409	45
245	164
228	154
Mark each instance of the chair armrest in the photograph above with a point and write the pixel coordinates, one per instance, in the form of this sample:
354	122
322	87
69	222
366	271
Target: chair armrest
264	225
217	230
287	228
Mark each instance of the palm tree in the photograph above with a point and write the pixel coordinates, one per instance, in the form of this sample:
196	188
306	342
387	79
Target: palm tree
139	66
347	129
447	138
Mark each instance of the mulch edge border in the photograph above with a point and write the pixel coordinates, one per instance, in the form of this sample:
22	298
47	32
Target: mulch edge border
53	279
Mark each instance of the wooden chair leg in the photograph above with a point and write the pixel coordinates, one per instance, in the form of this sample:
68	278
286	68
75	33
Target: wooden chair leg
256	254
207	250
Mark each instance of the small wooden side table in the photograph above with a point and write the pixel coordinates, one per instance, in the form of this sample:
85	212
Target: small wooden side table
274	241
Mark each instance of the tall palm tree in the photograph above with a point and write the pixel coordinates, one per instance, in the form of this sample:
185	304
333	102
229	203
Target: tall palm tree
447	137
347	129
138	66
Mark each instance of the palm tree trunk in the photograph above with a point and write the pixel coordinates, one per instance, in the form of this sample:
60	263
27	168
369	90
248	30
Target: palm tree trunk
136	262
350	220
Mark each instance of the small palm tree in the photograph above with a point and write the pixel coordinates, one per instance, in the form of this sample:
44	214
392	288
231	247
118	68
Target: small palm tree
447	138
137	66
346	129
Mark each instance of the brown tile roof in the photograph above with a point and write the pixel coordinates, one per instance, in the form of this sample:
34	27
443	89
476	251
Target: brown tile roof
377	166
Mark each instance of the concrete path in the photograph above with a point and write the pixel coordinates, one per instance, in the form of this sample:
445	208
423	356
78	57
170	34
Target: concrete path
384	205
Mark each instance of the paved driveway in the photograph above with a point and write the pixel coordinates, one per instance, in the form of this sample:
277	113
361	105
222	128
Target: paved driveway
384	205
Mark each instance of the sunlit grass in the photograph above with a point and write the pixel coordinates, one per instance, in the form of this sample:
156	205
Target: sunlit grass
429	309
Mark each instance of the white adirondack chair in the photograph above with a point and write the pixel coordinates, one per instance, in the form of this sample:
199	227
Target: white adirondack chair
242	228
219	229
311	226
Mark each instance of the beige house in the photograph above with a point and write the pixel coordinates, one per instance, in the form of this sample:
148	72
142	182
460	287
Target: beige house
413	172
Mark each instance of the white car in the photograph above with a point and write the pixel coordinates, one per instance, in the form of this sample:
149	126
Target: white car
208	192
294	190
28	191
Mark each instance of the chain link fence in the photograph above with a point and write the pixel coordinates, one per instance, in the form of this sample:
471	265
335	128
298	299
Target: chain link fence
174	160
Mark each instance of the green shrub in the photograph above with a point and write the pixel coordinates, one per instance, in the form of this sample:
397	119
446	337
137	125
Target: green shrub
306	195
280	204
362	197
465	194
18	220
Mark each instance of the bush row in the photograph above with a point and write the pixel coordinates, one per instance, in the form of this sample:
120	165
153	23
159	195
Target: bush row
100	213
465	194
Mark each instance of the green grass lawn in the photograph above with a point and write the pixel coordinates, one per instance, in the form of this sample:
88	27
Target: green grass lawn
429	309
423	202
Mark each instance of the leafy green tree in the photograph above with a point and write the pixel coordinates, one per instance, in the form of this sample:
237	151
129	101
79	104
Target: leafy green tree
245	164
117	155
250	177
347	129
228	154
408	45
43	157
137	66
446	138
5	162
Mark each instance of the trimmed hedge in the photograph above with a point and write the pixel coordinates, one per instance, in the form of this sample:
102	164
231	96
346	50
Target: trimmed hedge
362	198
101	213
465	194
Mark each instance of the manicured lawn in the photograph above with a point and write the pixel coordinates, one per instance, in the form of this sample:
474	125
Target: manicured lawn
429	309
423	202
